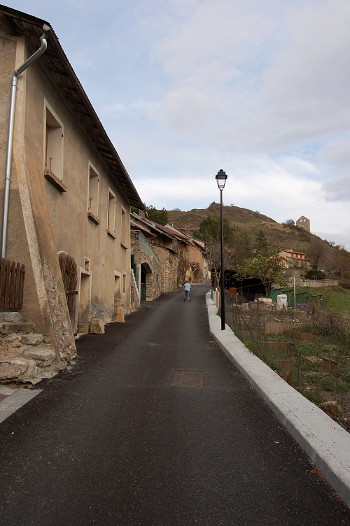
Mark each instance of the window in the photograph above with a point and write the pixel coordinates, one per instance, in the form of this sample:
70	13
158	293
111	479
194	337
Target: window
111	213
123	236
53	153
93	195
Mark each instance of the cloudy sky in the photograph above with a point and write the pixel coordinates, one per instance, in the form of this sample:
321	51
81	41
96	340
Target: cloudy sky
259	88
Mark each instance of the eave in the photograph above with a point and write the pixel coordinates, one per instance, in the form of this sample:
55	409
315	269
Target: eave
57	66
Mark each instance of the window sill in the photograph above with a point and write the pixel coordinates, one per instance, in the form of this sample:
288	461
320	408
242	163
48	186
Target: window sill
93	218
50	176
113	236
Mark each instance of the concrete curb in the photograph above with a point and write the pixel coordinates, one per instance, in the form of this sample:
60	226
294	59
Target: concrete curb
326	443
15	400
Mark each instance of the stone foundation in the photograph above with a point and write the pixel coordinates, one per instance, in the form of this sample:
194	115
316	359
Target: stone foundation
25	356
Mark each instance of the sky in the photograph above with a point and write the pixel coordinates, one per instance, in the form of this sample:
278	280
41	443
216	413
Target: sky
185	88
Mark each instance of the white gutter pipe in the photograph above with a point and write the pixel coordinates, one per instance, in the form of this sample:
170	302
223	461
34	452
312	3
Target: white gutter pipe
17	73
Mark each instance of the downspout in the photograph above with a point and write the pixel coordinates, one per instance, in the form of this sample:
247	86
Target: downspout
17	73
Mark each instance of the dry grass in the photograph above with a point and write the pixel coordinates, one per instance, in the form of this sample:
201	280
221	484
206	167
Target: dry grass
309	349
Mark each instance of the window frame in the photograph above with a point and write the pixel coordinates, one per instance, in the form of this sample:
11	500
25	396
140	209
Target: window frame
93	211
53	144
111	213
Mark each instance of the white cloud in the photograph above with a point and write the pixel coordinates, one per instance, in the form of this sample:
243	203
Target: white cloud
187	87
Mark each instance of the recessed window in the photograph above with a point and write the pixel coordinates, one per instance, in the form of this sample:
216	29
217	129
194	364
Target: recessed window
111	213
93	195
123	229
53	152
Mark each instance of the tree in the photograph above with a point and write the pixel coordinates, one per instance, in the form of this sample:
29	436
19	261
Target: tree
159	216
261	243
315	274
268	269
289	222
210	232
237	246
316	252
343	263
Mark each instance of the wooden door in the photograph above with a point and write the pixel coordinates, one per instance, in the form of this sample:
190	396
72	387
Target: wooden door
69	273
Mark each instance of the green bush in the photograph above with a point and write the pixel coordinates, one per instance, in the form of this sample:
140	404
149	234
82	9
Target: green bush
315	274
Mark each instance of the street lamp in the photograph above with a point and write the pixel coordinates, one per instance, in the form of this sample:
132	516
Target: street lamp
221	177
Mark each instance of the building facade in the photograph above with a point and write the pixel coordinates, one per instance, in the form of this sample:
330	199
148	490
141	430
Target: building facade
293	259
70	195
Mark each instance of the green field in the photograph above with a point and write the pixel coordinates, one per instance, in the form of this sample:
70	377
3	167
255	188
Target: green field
336	299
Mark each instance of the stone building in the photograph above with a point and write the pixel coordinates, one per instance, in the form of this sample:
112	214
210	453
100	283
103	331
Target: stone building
180	257
303	222
69	201
162	272
145	263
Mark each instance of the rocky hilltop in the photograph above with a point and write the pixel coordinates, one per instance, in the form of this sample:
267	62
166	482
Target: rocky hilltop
279	236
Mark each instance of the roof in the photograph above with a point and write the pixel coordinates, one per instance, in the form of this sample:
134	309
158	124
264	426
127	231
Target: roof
168	231
291	251
57	65
155	227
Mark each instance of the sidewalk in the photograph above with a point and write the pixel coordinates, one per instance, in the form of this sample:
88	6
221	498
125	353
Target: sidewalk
12	399
326	443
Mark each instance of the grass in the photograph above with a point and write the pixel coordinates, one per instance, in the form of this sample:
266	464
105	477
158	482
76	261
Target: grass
336	299
312	355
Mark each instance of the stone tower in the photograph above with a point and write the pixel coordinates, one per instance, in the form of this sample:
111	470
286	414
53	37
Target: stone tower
303	222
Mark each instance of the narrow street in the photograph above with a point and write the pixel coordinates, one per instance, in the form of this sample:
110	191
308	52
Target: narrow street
155	427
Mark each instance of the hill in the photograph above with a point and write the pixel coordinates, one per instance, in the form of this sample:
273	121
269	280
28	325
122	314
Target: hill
279	236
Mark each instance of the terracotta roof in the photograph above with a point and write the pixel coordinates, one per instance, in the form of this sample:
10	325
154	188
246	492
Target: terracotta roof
58	67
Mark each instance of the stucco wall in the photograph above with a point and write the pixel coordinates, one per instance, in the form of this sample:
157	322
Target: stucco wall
43	220
71	229
18	241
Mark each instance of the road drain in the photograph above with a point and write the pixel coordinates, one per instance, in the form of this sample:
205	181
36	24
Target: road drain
184	378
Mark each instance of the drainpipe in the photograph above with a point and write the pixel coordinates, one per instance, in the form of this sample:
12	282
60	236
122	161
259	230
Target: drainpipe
17	73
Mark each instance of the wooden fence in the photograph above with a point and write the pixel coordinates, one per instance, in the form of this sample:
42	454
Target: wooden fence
11	285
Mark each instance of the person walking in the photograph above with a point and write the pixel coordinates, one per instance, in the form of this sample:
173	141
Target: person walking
187	288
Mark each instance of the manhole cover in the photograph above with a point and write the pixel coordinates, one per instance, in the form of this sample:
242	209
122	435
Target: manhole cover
184	378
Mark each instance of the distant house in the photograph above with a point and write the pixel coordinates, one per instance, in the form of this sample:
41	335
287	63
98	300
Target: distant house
70	199
163	257
197	264
293	259
303	222
145	263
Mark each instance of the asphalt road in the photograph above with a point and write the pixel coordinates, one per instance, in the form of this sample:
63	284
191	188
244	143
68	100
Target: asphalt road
155	427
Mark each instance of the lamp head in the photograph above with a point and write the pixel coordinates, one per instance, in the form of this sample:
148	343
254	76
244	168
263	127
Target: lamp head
221	177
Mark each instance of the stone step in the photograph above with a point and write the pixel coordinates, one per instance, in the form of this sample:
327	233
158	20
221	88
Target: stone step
12	327
32	338
11	316
43	355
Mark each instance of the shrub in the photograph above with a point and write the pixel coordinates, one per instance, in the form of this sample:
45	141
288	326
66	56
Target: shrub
315	274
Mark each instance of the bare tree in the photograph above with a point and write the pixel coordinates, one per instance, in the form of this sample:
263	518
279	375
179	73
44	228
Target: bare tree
316	252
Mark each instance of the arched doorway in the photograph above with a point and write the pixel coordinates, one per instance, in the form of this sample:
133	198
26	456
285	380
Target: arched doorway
69	273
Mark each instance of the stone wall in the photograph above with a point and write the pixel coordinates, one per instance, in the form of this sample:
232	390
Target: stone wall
26	356
318	284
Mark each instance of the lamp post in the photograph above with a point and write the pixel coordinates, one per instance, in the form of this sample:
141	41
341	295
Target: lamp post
221	177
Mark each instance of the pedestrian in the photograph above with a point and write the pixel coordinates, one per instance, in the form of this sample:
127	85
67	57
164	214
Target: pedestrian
187	288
